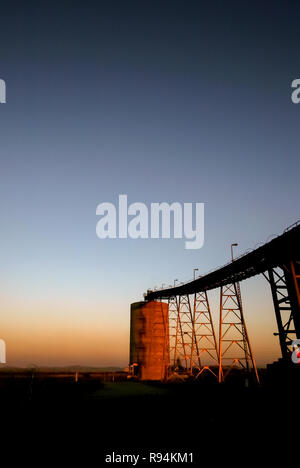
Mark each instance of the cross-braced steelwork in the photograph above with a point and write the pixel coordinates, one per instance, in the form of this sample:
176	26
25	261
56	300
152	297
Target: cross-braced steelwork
204	352
281	252
180	330
181	334
192	341
175	351
234	345
285	287
184	331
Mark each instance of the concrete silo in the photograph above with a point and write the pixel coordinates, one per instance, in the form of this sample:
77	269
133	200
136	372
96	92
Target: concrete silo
149	333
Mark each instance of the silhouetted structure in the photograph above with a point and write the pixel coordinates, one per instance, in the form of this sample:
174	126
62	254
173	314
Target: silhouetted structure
279	261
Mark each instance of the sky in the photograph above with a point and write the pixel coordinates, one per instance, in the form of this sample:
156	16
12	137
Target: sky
163	101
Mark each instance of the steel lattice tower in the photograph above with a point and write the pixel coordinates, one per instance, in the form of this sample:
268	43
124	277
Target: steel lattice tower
192	341
285	288
204	343
234	345
173	327
180	332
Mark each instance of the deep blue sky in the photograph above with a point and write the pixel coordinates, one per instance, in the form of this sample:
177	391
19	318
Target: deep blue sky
161	100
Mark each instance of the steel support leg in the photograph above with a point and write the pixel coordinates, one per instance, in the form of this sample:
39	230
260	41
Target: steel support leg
234	344
204	356
285	288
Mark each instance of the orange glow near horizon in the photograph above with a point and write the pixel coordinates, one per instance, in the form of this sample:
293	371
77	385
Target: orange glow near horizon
48	332
61	335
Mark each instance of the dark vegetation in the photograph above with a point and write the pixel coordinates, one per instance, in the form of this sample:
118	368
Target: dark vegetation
84	420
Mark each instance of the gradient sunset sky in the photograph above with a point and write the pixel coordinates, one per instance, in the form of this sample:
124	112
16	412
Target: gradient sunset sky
184	101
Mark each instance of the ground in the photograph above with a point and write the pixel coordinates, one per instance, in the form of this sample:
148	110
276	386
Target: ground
88	419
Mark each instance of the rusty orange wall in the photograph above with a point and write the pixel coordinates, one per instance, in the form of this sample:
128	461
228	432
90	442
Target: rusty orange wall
148	338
